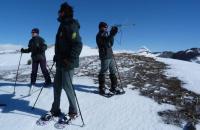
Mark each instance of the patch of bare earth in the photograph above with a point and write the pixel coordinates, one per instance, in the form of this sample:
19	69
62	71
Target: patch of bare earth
148	76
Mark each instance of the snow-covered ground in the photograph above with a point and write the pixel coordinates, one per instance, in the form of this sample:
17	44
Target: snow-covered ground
188	72
125	112
12	59
130	111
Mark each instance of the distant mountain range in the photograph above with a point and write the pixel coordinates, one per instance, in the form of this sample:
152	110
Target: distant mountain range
192	55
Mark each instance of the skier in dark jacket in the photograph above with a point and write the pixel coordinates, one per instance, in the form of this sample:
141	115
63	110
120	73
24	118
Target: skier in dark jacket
105	41
37	47
68	47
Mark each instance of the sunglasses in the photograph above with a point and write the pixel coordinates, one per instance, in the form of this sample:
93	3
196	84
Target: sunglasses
105	27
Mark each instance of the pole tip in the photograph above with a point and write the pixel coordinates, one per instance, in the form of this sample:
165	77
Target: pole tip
83	125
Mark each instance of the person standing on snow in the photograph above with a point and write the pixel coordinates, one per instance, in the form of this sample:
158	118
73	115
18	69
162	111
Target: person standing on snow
68	47
37	47
105	41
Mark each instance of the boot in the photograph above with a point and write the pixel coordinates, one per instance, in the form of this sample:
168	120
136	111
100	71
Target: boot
48	83
101	83
114	84
33	77
47	79
72	115
49	115
56	113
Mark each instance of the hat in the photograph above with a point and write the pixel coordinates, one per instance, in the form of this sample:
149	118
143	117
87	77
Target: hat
65	7
35	30
103	24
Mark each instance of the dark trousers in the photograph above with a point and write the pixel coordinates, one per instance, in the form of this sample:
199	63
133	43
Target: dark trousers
63	80
45	72
107	64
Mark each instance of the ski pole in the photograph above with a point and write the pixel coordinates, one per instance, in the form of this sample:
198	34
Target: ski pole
51	69
76	100
118	73
29	92
37	98
17	72
41	89
122	25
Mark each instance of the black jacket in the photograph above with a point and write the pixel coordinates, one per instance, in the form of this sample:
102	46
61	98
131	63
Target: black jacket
68	44
105	43
37	48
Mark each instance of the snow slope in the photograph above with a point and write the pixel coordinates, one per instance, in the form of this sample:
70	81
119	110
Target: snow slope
126	112
9	48
130	111
12	59
188	72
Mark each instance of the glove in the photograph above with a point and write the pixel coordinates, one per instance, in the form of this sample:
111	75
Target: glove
66	63
22	50
113	31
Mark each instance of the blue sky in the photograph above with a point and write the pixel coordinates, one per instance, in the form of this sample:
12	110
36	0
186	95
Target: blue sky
160	24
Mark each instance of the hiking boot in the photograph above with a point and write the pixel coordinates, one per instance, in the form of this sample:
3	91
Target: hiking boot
116	90
101	91
56	113
67	118
114	85
101	78
64	119
47	84
113	79
47	117
72	115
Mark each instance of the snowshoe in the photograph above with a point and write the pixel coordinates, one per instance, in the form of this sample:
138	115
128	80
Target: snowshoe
73	116
105	92
45	119
117	91
65	120
108	95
